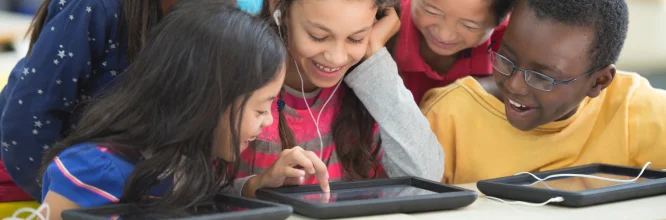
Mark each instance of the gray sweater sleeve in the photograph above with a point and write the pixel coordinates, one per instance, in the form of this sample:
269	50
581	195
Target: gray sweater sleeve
410	146
236	189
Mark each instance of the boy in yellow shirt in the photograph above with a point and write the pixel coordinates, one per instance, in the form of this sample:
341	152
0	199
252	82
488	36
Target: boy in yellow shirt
555	99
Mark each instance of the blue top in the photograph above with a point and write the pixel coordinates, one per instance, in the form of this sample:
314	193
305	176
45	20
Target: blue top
250	6
90	176
77	56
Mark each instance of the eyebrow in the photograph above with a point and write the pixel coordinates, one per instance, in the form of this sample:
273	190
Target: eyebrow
427	4
324	28
551	68
270	99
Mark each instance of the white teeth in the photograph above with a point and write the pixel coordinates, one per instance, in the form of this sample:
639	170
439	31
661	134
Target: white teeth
322	68
251	139
514	103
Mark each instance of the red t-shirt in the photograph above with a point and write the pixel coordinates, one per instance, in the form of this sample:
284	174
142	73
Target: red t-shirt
417	74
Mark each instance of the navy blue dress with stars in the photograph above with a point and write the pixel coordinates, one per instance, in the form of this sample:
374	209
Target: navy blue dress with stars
77	56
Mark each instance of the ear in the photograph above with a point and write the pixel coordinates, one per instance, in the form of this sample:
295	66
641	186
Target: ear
602	79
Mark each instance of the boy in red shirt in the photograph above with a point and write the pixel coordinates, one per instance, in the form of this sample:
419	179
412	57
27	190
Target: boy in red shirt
441	41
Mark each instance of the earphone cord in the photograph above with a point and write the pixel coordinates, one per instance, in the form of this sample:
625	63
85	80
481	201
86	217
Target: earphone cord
316	121
559	198
34	213
587	176
276	17
554	199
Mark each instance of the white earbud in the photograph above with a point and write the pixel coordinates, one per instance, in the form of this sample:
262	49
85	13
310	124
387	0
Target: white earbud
276	16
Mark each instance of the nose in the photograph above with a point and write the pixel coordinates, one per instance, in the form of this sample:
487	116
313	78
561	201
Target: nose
337	55
445	32
516	84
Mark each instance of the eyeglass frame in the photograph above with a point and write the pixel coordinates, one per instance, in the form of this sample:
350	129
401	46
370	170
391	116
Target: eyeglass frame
514	68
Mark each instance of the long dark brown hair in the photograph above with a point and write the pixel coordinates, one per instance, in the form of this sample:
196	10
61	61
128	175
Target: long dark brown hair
353	129
204	58
137	19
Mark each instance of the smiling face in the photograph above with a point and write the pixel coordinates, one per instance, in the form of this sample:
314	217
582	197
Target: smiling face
256	116
554	49
449	26
325	44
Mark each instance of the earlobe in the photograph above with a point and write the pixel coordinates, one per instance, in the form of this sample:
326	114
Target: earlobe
602	78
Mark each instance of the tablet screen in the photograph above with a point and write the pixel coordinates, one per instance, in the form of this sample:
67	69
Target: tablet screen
364	193
575	184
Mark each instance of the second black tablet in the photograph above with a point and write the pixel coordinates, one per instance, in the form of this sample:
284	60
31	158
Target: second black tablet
578	191
371	197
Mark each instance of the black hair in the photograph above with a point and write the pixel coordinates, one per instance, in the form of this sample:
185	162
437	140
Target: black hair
501	9
608	19
202	59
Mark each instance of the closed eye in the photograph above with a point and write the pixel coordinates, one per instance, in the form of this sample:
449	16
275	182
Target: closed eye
469	27
317	39
355	41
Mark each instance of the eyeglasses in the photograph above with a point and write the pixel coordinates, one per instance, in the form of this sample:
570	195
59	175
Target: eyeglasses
533	78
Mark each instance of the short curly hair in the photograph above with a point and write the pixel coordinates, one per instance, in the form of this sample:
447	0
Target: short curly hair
609	19
501	8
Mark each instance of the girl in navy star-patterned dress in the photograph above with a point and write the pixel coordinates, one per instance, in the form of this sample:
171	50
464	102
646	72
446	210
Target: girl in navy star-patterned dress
77	49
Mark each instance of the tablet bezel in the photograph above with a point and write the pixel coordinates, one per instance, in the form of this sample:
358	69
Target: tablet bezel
446	197
259	210
507	188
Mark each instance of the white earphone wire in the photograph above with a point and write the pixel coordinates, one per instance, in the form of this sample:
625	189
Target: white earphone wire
276	17
34	213
554	199
559	198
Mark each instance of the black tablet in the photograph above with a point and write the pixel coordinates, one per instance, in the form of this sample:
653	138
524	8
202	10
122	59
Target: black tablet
578	191
370	197
221	207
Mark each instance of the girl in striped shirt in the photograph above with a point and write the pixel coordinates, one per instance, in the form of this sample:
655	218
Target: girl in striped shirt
343	99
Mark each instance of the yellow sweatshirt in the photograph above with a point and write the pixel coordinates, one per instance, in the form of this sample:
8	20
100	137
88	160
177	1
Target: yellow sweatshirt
624	125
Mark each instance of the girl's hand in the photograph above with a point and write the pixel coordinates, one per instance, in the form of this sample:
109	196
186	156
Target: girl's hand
284	172
382	31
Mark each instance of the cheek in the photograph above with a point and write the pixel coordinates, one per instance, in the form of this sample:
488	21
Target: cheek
552	106
561	106
422	21
475	38
250	123
357	51
304	48
301	45
499	79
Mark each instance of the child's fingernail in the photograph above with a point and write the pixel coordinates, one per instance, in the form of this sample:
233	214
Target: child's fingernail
301	173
